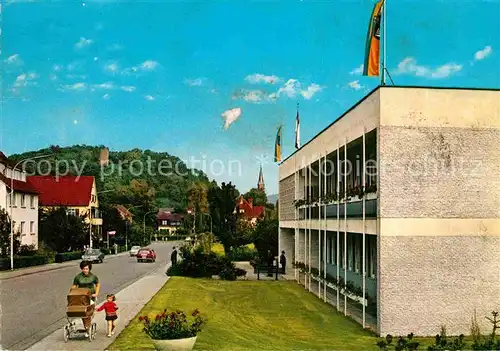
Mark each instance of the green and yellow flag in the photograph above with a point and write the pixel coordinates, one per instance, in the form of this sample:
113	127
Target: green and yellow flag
372	51
277	146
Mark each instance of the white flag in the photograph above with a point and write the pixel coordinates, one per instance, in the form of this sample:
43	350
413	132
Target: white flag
297	131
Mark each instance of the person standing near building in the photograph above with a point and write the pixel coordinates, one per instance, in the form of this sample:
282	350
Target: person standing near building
283	262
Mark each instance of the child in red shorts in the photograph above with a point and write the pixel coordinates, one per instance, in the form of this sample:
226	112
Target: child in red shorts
110	307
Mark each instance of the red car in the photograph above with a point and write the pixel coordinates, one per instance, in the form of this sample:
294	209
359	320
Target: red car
146	255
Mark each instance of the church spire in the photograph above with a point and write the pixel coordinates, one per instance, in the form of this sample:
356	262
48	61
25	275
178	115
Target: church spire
260	184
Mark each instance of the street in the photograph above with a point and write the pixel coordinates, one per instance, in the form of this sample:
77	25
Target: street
34	306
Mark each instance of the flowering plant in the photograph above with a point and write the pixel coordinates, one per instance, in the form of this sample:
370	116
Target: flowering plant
173	325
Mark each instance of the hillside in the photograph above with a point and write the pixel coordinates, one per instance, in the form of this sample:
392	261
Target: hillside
156	179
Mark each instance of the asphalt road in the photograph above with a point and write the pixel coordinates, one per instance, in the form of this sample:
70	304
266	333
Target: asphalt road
34	306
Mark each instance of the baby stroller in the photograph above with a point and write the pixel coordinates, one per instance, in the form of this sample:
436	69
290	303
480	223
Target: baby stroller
79	306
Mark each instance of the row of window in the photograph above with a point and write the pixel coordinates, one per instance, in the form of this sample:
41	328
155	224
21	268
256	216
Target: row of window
173	223
353	257
32	200
22	227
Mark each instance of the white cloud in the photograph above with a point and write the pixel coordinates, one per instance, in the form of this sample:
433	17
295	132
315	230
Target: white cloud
14	59
482	54
112	67
83	43
106	96
262	78
128	88
77	87
355	85
149	65
357	71
96	58
230	116
104	86
24	80
291	88
194	82
409	66
149	97
310	91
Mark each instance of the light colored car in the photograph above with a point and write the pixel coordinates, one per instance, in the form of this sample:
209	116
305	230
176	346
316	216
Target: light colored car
93	255
134	250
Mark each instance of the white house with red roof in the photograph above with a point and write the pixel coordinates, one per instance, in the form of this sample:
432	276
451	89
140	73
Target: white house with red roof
168	221
245	209
78	194
24	210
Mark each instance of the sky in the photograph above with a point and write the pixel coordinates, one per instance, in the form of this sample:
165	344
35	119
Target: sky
210	81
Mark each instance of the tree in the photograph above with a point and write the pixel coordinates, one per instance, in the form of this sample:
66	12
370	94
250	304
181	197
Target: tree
197	199
265	237
5	234
62	232
222	202
112	221
259	196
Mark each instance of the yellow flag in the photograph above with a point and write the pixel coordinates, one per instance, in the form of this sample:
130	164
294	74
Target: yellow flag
372	50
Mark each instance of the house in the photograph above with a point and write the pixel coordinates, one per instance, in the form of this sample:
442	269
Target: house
77	194
400	198
124	213
247	210
168	221
24	211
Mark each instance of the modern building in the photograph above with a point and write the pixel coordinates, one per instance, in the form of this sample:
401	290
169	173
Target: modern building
393	211
168	221
77	194
24	210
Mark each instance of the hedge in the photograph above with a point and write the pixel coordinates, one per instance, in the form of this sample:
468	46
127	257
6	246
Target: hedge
68	256
23	261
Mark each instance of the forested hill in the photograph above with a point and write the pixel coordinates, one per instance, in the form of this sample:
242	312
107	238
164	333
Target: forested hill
156	179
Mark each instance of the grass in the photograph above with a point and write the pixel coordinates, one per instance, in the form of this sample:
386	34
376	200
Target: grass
218	248
252	315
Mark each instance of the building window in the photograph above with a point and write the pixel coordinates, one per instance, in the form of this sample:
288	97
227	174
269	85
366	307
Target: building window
71	211
32	227
164	222
32	201
23	200
23	228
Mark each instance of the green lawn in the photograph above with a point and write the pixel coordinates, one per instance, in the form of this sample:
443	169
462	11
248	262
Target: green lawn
218	248
252	315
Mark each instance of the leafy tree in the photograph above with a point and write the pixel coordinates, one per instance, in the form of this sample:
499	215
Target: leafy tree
62	232
265	237
197	199
112	221
259	196
5	234
222	202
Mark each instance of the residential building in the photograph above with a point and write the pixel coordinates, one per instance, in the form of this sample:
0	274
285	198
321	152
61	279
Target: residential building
124	213
247	210
24	211
400	198
77	194
168	221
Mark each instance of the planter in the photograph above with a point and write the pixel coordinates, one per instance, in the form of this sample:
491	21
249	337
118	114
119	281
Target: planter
186	344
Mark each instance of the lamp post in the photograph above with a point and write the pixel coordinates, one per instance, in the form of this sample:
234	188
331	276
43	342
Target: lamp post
11	207
144	223
126	227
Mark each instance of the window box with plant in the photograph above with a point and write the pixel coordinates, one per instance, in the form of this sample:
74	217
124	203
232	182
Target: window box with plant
173	330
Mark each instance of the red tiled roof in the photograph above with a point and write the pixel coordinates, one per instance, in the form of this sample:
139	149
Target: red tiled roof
63	190
169	216
19	185
250	211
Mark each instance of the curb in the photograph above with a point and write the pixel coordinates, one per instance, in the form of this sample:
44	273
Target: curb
56	266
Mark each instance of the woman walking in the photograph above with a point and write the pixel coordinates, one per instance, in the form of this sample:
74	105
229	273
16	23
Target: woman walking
85	279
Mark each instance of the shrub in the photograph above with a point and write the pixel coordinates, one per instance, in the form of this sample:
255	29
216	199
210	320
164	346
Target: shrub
227	274
23	261
68	256
105	251
490	342
242	253
173	325
27	250
402	343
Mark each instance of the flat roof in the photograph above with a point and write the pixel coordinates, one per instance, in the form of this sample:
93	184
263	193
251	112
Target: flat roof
370	93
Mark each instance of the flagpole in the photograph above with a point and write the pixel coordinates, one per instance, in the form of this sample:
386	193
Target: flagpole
384	19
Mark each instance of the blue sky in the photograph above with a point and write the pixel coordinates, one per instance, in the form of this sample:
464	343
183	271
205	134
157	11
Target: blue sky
160	75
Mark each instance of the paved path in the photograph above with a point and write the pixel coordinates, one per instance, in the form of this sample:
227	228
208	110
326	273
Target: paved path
130	302
34	306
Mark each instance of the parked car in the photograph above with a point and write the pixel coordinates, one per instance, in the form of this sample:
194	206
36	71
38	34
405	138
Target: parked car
146	255
134	250
93	255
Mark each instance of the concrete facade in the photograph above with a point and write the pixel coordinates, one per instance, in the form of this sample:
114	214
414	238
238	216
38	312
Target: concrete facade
437	219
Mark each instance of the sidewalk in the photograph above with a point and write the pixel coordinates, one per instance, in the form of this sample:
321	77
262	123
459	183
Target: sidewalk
47	267
130	302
